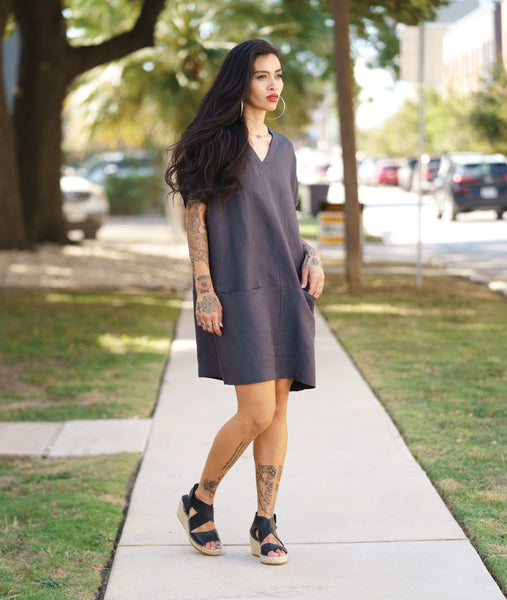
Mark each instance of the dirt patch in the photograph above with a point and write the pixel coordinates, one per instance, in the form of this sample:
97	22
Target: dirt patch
95	265
11	379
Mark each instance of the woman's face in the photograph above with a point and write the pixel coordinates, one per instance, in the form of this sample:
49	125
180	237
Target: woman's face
266	85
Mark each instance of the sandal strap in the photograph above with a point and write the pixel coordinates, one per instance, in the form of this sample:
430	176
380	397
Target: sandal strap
261	528
204	512
203	537
264	526
267	548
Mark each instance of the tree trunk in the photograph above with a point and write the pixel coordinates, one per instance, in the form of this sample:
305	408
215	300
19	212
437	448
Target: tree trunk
47	66
343	68
37	116
12	227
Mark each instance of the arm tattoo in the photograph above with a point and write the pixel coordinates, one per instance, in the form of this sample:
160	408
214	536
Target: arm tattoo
203	284
197	234
268	481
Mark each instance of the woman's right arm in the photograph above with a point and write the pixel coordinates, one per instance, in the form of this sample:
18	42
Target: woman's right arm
208	310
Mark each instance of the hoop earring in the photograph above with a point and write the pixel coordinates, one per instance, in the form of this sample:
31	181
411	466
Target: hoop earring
274	118
241	110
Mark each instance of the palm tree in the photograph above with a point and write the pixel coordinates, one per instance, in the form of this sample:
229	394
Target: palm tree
148	98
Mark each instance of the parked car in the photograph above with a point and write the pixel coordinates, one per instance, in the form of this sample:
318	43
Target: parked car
468	181
118	164
406	173
312	166
85	204
133	181
385	171
430	167
365	170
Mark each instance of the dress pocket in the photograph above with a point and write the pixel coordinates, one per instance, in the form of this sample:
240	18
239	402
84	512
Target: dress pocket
309	298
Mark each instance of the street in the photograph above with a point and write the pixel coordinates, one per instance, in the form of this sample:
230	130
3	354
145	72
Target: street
474	245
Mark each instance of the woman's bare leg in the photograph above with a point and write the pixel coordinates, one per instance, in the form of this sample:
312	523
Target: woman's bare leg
270	448
256	409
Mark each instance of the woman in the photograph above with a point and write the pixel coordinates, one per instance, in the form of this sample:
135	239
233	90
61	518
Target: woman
255	281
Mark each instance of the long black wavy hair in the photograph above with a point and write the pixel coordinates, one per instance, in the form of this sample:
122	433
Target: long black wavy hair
210	158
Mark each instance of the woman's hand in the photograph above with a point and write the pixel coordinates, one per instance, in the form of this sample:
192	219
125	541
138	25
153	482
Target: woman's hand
208	312
312	273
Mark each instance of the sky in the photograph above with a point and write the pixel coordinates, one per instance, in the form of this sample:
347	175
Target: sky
380	95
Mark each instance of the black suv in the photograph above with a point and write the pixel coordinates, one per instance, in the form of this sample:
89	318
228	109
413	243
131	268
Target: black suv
468	181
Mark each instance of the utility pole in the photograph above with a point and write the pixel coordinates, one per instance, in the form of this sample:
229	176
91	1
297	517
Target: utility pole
343	77
419	271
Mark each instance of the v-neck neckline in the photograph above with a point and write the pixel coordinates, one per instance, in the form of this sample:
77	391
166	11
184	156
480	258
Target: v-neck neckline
263	161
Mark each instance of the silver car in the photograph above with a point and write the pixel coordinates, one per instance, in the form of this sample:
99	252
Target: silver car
85	205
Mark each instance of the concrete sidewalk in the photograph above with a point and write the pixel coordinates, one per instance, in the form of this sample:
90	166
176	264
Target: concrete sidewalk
74	438
359	516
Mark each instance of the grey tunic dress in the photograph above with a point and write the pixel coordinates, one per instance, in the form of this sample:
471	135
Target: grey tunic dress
256	255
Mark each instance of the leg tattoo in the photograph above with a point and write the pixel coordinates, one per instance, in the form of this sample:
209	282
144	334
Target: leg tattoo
237	453
210	486
268	482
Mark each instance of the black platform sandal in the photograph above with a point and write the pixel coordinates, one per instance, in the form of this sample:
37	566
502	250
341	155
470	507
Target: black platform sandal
261	528
203	515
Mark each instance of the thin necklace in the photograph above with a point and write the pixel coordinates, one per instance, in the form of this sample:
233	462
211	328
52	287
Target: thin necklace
260	136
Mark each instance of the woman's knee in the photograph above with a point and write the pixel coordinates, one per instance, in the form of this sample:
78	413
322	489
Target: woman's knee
256	406
256	422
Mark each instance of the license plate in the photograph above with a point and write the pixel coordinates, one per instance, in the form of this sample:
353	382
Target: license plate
489	193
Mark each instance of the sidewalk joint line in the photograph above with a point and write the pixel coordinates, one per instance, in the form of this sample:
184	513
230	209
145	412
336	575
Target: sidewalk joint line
327	543
52	441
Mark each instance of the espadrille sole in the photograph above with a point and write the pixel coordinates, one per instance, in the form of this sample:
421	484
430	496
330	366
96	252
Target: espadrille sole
255	547
183	517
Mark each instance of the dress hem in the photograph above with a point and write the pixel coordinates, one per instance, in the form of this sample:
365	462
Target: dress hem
297	385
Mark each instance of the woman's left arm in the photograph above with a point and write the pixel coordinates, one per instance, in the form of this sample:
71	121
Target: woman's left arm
312	273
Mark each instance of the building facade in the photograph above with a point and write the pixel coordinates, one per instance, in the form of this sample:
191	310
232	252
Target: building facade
472	46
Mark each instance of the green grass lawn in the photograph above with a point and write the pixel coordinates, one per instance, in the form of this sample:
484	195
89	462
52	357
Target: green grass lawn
82	355
436	357
59	520
72	356
308	228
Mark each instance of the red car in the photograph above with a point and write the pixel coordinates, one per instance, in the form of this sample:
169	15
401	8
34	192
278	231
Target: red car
385	171
428	174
